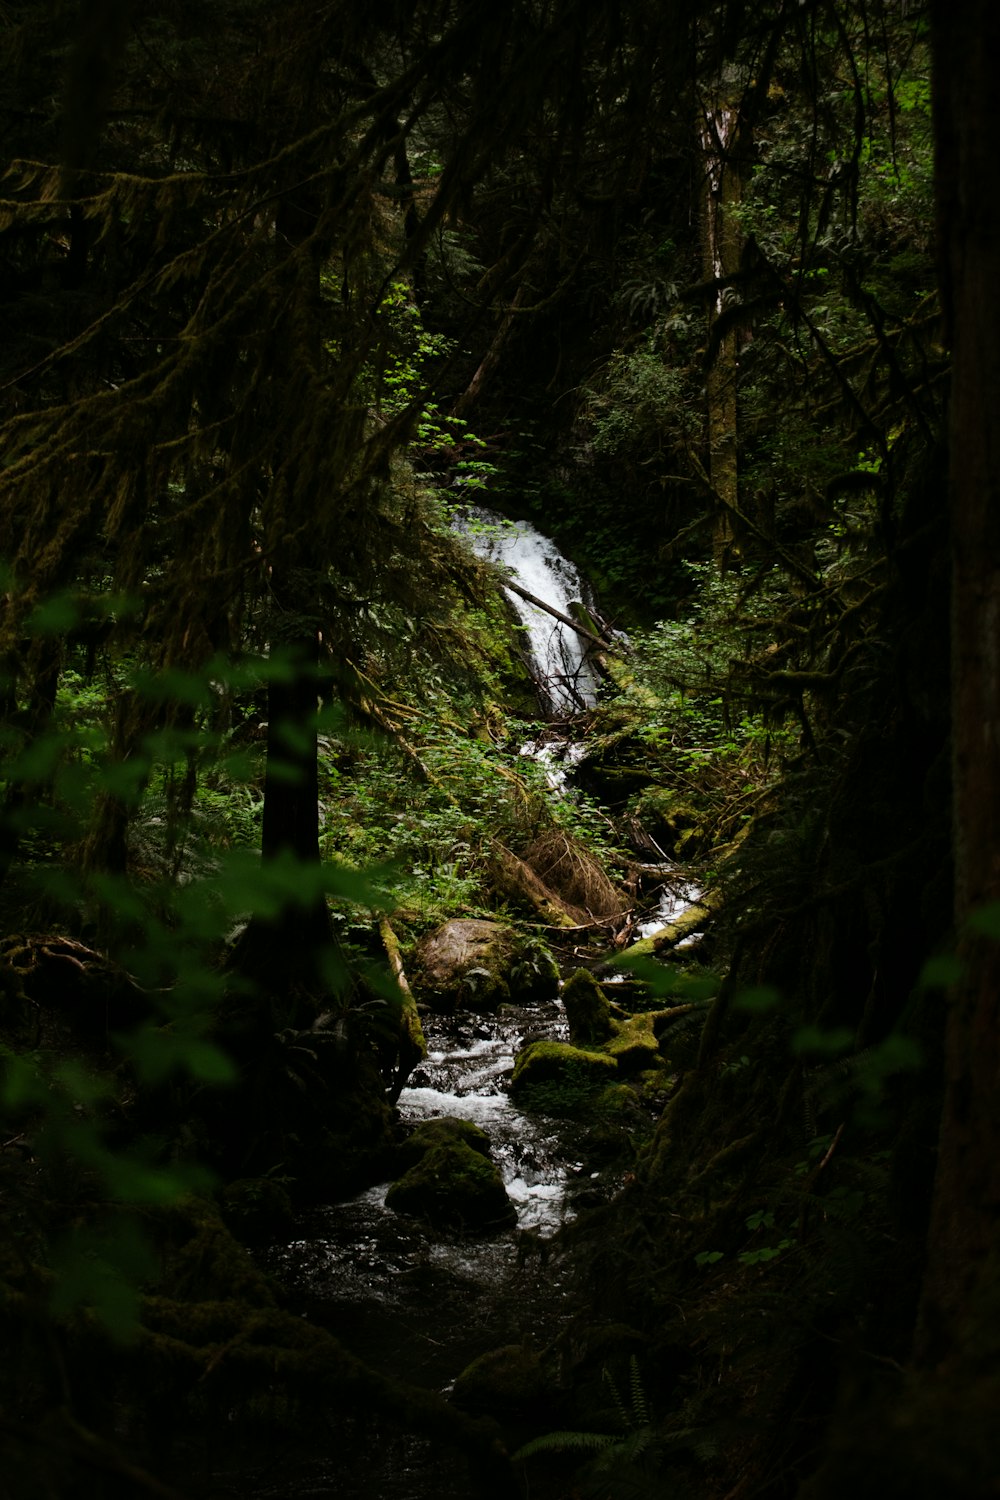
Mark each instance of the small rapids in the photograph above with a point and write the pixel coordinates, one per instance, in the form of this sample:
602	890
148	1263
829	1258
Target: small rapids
420	1304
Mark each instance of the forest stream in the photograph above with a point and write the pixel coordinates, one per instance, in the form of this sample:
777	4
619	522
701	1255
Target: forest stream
416	1303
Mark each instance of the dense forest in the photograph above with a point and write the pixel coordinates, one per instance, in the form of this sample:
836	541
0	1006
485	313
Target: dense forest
305	309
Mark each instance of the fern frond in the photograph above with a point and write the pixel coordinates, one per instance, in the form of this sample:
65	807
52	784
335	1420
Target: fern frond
562	1442
623	1415
640	1411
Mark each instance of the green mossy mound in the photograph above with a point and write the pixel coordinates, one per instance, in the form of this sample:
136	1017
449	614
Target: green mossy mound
634	1045
480	965
257	1210
449	1130
453	1186
558	1078
587	1009
506	1382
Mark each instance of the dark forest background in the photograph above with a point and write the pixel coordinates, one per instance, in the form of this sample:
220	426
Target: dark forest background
707	291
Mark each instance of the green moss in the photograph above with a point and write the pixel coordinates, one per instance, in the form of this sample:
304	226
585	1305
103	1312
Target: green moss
453	1186
256	1209
634	1045
510	1381
446	1131
558	1079
587	1009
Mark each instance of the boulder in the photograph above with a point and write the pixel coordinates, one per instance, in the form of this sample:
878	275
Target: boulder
564	1069
635	1047
453	1186
587	1009
447	1130
480	965
506	1382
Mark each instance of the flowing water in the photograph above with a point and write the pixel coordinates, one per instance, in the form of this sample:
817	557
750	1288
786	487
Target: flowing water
419	1304
566	679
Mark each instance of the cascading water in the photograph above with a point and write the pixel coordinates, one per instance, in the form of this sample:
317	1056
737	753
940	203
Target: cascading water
560	662
412	1301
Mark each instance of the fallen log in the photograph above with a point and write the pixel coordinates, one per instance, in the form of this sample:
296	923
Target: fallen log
412	1046
672	933
557	614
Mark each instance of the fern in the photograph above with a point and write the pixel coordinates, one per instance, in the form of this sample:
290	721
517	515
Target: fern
564	1442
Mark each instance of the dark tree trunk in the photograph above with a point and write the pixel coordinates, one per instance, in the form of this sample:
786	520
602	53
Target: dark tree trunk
282	955
35	721
964	1243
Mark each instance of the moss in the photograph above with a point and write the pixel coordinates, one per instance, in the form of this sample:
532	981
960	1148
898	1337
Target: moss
204	1262
587	1009
546	1062
634	1045
445	1131
256	1209
558	1079
453	1186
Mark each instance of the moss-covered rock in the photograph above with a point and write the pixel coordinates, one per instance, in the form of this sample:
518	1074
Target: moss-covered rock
559	1078
481	965
506	1382
634	1045
453	1186
587	1009
442	1132
256	1210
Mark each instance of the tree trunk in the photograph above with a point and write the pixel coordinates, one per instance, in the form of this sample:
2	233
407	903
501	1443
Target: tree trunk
721	250
963	1245
283	954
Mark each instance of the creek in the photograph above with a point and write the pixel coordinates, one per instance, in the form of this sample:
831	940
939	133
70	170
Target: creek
420	1304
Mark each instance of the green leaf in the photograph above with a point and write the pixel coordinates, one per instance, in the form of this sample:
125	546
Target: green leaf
825	1043
940	972
757	999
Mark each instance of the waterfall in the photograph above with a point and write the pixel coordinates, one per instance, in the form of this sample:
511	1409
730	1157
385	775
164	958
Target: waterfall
560	663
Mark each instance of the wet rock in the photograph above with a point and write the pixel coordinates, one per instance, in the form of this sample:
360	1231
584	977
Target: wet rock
587	1009
453	1186
481	965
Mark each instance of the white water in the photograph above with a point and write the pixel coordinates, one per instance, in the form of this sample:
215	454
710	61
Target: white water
468	1080
567	682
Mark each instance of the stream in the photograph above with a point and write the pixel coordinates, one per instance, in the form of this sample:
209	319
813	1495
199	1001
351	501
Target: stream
420	1304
